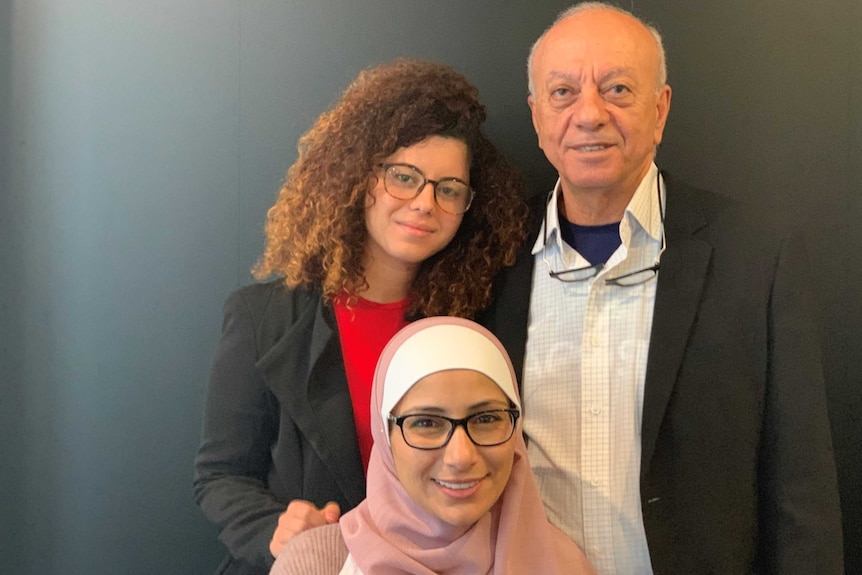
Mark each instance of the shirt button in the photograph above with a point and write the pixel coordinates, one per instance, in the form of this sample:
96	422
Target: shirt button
596	341
595	409
595	482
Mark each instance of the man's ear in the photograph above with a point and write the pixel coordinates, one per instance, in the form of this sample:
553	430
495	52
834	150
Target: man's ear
662	110
531	102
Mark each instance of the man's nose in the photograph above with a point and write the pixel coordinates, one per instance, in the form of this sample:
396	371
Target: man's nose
590	109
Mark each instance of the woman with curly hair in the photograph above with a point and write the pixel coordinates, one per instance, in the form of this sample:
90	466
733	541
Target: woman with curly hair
398	207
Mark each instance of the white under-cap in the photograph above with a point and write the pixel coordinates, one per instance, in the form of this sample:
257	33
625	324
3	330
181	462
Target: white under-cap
452	345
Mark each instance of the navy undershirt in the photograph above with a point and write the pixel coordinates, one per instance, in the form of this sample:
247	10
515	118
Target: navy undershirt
595	243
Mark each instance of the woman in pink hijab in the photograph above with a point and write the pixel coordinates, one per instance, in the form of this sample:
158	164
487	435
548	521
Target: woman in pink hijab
450	489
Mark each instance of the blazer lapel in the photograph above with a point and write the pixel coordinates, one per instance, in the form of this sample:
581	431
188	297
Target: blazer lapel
333	432
680	284
305	371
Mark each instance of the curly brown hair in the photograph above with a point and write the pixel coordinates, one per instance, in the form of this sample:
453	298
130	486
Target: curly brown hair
316	233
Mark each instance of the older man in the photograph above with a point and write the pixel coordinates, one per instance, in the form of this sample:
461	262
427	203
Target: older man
673	393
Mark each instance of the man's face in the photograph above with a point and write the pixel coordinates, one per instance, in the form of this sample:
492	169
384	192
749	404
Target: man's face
596	109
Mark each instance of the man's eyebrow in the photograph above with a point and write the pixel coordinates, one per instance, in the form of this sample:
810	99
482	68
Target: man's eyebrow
568	77
623	71
618	72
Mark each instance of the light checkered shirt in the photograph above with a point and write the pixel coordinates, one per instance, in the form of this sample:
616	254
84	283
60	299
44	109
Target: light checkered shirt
583	387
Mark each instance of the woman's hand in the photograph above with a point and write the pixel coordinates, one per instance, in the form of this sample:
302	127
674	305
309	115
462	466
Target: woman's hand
299	516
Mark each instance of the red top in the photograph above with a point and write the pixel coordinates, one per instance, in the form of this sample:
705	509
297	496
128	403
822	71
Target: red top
364	330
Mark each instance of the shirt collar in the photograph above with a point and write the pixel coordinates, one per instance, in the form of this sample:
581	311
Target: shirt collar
642	210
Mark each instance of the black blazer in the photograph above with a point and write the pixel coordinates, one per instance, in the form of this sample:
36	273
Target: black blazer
737	471
278	423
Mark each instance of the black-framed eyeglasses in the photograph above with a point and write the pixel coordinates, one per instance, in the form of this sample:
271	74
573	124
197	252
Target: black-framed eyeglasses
634	278
405	182
430	431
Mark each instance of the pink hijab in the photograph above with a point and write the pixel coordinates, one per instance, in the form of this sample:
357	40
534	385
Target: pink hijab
390	534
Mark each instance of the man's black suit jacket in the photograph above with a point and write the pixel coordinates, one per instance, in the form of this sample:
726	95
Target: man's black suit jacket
737	471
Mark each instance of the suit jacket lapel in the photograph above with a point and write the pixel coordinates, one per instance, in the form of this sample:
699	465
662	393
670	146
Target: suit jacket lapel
305	371
680	284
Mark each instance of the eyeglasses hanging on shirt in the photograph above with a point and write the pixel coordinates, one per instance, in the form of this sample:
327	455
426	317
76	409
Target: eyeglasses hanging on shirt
584	273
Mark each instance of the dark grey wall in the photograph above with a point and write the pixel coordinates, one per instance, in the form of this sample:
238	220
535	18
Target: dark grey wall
141	143
119	237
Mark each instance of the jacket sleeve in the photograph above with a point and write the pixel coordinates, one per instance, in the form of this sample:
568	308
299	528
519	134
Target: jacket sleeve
799	503
240	425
